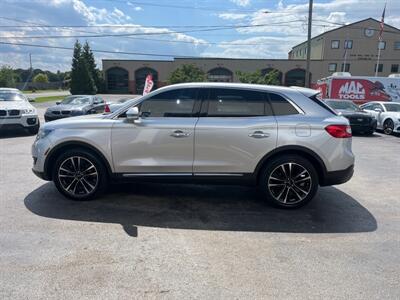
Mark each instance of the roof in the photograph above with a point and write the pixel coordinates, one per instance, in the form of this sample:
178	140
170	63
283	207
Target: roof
348	25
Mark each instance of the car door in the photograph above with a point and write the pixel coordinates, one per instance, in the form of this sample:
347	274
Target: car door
235	130
161	141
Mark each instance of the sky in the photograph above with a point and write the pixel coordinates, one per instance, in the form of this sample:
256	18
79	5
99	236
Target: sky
161	29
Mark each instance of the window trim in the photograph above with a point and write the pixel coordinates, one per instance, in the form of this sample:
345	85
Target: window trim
330	65
346	44
338	47
299	110
384	45
394	45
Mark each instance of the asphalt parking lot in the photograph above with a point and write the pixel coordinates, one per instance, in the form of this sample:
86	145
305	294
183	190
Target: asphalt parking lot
201	242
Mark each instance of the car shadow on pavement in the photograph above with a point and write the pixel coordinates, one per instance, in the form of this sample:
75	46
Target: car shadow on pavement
16	133
205	207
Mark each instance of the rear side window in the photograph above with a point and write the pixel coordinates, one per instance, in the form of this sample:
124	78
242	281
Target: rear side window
236	103
281	106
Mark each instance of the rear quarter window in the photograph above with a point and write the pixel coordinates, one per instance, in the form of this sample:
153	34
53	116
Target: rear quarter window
281	106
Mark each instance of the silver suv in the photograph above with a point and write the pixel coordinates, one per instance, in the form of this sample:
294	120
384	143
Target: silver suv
283	140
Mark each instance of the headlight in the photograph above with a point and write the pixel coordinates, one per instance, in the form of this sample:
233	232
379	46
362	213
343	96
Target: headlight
43	133
29	111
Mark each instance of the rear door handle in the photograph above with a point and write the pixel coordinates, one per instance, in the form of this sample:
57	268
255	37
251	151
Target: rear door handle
259	134
180	134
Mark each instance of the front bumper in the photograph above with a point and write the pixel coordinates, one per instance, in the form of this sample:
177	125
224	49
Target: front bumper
337	177
52	117
40	150
25	120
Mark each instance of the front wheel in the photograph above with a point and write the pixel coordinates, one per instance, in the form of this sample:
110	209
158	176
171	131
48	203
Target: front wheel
79	175
289	181
388	126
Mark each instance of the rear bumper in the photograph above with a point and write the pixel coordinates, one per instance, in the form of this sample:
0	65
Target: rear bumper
337	177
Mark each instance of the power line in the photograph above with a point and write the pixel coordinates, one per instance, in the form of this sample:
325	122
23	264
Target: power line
162	55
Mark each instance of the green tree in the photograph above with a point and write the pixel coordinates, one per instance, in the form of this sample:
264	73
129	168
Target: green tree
187	73
94	72
7	77
81	79
41	77
271	78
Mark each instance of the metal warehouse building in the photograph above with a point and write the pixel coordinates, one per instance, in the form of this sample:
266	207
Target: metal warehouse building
352	48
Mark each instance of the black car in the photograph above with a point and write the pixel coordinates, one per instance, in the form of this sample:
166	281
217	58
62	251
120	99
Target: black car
360	120
75	105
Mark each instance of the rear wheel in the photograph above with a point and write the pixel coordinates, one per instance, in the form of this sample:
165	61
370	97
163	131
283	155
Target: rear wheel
388	126
289	181
79	175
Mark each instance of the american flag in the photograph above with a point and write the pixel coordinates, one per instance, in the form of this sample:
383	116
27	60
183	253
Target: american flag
382	24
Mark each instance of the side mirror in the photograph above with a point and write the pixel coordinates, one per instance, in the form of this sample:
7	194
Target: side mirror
132	114
378	110
58	102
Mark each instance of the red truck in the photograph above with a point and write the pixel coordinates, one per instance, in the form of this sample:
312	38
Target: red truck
359	89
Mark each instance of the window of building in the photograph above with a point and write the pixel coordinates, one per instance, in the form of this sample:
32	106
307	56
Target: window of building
396	45
176	103
394	68
382	45
380	68
281	106
345	68
332	67
335	44
236	103
348	44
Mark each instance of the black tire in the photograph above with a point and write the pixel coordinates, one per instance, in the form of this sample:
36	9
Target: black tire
95	184
388	127
274	180
34	129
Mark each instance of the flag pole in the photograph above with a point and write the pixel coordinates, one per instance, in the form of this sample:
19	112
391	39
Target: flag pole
379	57
381	26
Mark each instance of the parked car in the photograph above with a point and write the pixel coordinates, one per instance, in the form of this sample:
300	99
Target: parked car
283	140
386	113
75	105
360	120
113	106
17	112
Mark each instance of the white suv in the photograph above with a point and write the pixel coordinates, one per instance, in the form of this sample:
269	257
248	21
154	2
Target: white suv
281	139
17	112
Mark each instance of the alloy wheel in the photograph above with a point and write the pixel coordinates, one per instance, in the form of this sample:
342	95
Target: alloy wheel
290	183
388	127
78	176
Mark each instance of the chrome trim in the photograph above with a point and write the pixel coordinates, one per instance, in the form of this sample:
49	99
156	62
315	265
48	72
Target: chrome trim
155	174
217	174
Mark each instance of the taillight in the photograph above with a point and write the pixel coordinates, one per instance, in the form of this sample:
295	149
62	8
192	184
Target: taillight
107	108
339	131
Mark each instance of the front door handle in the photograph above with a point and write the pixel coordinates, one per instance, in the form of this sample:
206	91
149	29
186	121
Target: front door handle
259	134
180	134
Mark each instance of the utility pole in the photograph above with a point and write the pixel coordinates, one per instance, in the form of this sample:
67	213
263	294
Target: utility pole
30	72
310	7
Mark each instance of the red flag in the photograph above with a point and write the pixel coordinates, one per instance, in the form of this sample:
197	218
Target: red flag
382	24
148	84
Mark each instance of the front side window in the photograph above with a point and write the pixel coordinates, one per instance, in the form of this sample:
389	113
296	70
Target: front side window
335	44
236	103
175	103
281	106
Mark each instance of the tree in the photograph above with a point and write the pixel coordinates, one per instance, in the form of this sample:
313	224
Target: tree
41	77
91	63
7	77
81	79
271	78
187	73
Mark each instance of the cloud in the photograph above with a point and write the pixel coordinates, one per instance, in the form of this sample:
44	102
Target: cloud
242	3
76	12
232	16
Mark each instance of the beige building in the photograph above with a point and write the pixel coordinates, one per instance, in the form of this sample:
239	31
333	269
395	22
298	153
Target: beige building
352	48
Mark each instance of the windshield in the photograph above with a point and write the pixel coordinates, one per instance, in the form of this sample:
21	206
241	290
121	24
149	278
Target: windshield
76	100
343	105
394	107
10	96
